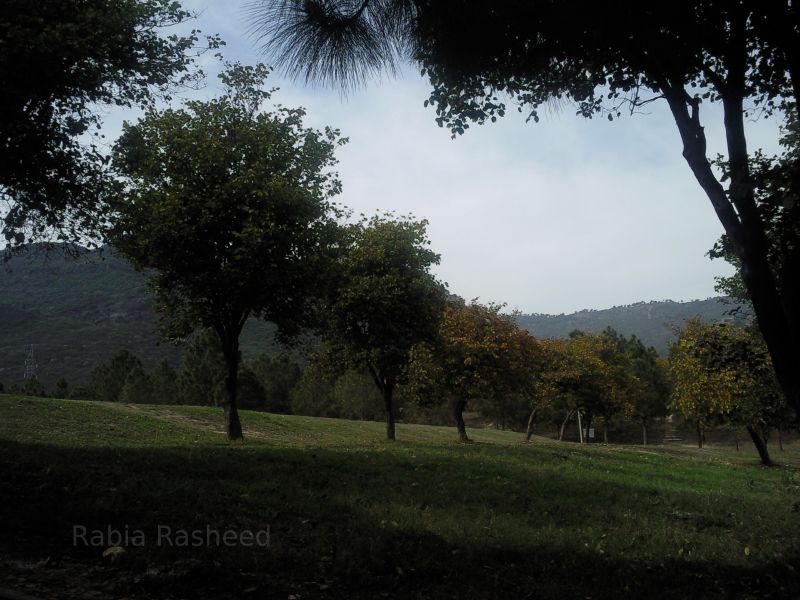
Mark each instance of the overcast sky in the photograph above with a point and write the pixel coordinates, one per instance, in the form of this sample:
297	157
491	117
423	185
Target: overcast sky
550	217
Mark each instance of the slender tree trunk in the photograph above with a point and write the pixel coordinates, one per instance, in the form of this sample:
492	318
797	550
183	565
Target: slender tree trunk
736	439
458	415
564	425
700	435
388	401
761	445
586	437
605	432
232	423
529	428
644	432
580	427
780	440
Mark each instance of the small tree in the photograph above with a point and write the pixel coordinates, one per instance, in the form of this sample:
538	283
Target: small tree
481	355
229	206
201	379
107	379
387	303
277	375
723	372
648	392
164	383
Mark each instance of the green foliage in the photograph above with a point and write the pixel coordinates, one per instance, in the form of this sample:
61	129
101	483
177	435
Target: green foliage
724	373
138	387
251	393
481	356
776	186
61	61
229	205
277	375
62	389
356	397
387	300
313	394
165	386
108	379
202	374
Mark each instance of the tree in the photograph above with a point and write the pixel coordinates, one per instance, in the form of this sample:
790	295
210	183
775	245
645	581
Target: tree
165	387
108	379
387	302
277	376
649	389
723	372
587	375
603	57
201	379
60	60
481	355
313	394
229	206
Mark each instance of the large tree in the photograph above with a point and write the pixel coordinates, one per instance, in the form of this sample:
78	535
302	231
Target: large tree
61	62
605	57
387	302
228	204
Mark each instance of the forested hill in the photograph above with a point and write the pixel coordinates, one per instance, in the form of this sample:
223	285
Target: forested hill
77	312
652	322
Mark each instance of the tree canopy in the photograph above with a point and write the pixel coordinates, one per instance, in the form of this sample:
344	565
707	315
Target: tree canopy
60	60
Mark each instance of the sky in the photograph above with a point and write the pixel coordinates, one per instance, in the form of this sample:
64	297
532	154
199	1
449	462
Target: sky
548	217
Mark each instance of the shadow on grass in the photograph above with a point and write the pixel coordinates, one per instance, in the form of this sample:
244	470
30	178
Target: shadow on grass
430	524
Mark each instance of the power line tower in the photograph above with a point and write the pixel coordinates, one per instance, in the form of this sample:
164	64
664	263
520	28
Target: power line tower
30	365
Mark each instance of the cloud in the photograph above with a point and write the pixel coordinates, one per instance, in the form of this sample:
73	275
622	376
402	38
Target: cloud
549	217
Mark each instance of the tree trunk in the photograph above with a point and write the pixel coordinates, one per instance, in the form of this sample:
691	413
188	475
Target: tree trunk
564	425
232	423
761	446
644	432
778	317
580	428
529	428
780	440
388	401
605	432
736	439
458	415
700	435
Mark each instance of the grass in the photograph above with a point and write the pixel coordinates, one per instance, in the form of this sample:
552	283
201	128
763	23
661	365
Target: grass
353	516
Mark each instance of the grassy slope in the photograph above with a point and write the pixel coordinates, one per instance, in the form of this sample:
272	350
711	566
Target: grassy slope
353	516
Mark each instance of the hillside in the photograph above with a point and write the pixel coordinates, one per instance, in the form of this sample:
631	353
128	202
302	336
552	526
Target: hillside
352	516
78	312
654	323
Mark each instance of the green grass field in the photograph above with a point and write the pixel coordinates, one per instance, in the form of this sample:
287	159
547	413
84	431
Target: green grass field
353	516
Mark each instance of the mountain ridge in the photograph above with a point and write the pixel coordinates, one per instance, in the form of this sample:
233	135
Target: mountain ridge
79	311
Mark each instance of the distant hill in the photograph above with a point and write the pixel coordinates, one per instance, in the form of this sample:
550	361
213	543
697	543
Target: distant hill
78	312
652	322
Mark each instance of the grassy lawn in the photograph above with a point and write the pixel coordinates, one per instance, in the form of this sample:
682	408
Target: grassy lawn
353	516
